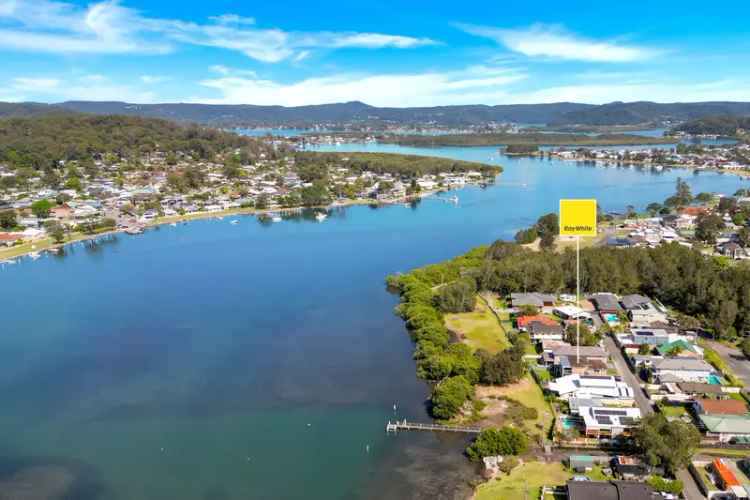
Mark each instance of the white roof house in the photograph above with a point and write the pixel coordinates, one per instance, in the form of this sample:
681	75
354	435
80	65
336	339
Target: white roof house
682	369
606	422
571	312
587	386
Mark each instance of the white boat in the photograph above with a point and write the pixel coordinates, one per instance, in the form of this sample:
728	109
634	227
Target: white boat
276	218
174	224
234	222
320	216
35	255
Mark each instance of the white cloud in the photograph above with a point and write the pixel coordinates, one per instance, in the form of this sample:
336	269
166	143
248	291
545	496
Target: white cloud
107	27
86	87
232	19
153	79
656	91
540	40
476	84
35	84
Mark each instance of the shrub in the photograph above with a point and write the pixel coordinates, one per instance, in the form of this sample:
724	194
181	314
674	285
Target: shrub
508	464
449	396
503	441
660	484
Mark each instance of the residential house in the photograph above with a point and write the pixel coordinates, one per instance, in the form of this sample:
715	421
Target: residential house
523	323
590	386
567	359
606	303
610	490
540	300
704	406
725	428
572	313
682	370
630	468
542	331
605	422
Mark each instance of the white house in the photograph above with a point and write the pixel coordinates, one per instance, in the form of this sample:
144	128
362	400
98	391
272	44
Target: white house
682	369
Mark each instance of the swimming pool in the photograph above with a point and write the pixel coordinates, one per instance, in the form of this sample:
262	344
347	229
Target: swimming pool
714	380
611	319
568	423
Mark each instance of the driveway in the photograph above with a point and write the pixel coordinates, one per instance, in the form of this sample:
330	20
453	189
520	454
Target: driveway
734	358
690	490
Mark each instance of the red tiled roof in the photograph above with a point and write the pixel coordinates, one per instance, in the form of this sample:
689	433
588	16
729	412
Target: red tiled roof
10	236
524	321
722	406
693	210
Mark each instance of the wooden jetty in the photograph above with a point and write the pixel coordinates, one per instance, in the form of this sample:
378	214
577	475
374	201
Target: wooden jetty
403	425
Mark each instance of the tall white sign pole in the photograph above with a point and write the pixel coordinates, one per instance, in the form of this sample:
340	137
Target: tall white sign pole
578	299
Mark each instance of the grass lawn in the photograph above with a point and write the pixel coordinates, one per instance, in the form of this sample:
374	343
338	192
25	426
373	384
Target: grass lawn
479	328
528	393
597	474
724	452
524	481
673	411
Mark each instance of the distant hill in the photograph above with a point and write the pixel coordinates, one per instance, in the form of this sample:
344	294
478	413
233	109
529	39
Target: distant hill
247	114
716	125
554	114
28	109
631	113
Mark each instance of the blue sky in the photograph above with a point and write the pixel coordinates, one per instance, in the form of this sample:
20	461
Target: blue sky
384	53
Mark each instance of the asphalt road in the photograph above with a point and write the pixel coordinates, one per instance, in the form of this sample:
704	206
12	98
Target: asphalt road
735	359
690	490
627	376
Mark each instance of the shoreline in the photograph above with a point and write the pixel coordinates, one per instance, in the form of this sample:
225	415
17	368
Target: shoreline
10	254
740	173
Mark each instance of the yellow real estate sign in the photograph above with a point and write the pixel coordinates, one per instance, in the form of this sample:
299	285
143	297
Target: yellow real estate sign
578	217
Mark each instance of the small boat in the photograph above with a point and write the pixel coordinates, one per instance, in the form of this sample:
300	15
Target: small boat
174	224
234	222
320	216
276	218
35	255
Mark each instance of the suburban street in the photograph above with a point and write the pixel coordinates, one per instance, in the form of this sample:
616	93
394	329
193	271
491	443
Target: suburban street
624	370
690	489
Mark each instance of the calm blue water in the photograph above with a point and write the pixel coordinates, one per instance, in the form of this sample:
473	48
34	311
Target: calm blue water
216	361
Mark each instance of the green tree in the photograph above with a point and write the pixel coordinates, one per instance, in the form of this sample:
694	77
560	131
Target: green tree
505	367
547	226
56	232
745	346
41	208
504	441
743	237
653	208
526	236
704	197
315	195
449	396
458	296
587	337
683	192
7	219
708	227
670	444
